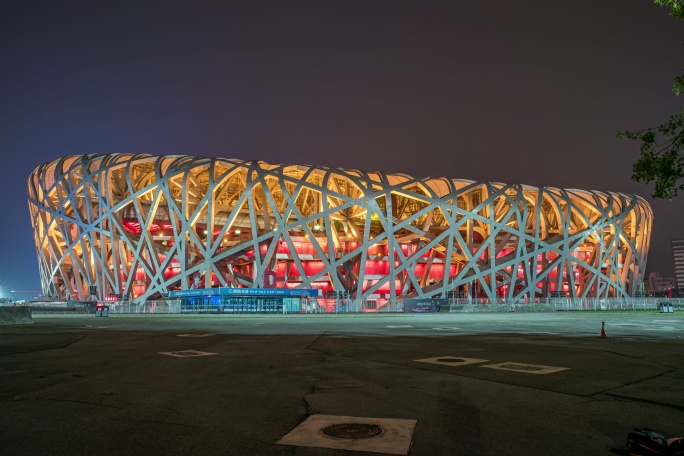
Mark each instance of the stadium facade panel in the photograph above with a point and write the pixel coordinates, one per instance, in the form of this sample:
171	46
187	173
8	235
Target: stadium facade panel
144	225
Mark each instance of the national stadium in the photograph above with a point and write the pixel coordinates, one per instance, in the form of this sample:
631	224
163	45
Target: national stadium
148	226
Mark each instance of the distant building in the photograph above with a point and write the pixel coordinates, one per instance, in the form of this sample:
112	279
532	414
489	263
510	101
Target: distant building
658	283
678	259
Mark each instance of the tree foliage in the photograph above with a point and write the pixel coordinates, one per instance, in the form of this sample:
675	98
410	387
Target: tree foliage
661	158
676	7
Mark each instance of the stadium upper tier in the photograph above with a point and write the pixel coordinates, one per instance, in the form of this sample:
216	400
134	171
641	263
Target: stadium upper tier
143	225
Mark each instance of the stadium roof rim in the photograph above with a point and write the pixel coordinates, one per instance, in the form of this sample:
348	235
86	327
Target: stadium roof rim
71	162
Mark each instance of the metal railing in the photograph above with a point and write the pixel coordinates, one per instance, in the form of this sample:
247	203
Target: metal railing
571	304
303	306
614	303
367	306
373	306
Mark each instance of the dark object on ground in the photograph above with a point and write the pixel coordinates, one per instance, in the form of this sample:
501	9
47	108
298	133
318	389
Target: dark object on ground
647	442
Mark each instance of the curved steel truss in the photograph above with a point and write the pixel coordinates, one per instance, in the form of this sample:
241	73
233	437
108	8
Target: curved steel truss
143	225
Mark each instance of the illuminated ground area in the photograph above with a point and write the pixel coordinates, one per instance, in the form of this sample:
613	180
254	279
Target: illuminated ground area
623	324
106	386
142	226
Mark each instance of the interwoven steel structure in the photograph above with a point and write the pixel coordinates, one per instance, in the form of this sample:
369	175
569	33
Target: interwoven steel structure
142	225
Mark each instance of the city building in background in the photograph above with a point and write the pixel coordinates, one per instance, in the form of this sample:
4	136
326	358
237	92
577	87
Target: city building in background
659	284
678	260
143	226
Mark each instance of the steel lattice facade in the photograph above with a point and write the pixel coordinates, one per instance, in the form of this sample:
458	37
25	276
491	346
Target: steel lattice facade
144	225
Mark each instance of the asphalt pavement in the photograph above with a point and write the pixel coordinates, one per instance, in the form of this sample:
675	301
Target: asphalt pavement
472	384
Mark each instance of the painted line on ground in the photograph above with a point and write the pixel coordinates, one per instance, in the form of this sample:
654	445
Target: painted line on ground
187	353
526	368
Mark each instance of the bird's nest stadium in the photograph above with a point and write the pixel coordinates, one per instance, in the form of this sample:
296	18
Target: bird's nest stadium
144	226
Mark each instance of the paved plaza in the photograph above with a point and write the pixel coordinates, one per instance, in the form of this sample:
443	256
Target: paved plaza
432	384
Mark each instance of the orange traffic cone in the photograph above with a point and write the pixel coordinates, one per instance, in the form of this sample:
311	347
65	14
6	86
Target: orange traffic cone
603	331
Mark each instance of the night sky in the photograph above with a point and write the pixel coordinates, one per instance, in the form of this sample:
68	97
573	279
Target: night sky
526	91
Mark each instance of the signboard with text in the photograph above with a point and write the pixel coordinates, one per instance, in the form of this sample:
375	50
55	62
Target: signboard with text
283	292
424	305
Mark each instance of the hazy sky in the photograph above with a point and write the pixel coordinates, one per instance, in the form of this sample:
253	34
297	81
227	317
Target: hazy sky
527	91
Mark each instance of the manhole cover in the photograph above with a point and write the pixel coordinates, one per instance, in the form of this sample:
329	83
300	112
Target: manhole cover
450	360
352	431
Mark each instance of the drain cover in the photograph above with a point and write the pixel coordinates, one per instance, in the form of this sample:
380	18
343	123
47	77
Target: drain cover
451	360
352	431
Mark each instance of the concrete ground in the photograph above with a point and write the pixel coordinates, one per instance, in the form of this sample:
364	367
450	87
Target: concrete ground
72	385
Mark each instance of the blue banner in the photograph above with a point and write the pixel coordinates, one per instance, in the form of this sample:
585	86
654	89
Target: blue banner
282	292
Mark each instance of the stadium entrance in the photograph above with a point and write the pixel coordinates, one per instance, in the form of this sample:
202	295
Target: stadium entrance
244	300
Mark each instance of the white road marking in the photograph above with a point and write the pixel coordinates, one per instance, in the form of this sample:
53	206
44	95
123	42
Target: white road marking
526	368
187	353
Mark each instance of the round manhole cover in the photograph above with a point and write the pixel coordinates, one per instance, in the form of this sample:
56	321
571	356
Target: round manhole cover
450	360
352	431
